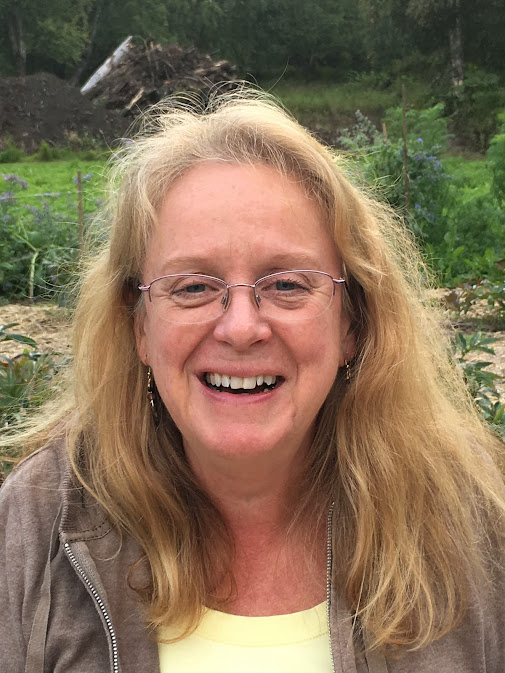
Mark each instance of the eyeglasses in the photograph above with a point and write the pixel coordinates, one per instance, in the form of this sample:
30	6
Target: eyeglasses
196	298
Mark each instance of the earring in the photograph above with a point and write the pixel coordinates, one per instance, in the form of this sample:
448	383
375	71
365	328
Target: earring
151	394
347	371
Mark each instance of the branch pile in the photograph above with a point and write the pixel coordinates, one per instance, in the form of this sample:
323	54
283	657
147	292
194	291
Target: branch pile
147	73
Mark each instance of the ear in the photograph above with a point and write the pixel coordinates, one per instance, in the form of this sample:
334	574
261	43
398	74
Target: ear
140	337
347	340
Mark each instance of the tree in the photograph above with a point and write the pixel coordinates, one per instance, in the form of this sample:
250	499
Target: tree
447	13
48	31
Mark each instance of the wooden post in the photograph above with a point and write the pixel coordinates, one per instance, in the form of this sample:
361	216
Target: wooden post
384	131
405	157
79	211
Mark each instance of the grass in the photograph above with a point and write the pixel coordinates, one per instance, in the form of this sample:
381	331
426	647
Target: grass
322	103
55	181
472	173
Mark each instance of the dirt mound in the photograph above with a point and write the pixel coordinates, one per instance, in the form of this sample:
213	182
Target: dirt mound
43	107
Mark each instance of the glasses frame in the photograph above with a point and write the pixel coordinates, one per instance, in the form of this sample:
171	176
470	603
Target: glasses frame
226	300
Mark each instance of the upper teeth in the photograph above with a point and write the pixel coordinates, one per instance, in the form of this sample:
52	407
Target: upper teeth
236	382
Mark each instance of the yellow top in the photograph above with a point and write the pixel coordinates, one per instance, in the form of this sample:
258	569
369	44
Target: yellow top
223	643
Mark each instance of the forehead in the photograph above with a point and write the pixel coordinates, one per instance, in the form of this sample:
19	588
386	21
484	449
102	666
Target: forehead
229	215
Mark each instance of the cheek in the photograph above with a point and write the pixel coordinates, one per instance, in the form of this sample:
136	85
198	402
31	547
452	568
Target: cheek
169	348
316	348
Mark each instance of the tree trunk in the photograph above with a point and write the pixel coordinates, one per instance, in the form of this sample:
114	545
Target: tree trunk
88	52
456	48
16	36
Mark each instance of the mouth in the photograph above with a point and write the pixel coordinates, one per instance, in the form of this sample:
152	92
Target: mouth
247	385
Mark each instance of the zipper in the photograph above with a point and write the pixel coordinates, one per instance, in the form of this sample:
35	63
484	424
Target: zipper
100	604
329	563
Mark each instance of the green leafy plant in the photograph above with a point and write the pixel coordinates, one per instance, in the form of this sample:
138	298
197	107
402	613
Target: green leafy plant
382	164
25	381
496	159
430	124
10	153
481	382
473	107
483	294
40	243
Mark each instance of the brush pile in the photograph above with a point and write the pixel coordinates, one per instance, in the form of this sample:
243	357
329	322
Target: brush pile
147	73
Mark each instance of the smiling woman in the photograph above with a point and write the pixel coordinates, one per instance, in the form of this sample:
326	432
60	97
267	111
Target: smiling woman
263	458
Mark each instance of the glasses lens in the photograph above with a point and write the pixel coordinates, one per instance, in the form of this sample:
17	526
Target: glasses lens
188	299
295	295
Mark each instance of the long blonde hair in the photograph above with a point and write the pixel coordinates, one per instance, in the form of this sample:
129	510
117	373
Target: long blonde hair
400	449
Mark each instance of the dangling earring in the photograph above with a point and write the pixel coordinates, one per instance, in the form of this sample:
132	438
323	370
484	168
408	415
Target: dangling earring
347	372
151	393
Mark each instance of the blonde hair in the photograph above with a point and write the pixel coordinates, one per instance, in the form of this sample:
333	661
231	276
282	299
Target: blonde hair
400	450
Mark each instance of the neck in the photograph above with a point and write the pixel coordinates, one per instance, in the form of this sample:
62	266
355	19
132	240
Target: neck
251	492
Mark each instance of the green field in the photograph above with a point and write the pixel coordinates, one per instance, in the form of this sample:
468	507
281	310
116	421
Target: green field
56	181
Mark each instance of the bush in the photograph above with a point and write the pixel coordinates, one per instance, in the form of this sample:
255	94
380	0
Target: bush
473	108
11	154
496	159
40	243
429	124
24	384
382	163
481	383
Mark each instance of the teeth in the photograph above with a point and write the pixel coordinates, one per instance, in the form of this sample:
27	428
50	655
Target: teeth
238	382
249	383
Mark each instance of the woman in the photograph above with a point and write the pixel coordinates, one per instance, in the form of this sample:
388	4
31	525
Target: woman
262	428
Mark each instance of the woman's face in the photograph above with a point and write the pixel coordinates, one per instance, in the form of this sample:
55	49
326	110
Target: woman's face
240	223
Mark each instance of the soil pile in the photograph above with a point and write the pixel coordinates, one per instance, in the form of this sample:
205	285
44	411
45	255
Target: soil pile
147	73
44	107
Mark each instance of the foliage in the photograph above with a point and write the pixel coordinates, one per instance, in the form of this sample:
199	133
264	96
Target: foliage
473	236
11	153
481	383
473	108
458	221
39	246
430	124
483	294
382	163
25	381
496	158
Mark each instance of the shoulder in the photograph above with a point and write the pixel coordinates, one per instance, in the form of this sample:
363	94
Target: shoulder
31	500
37	483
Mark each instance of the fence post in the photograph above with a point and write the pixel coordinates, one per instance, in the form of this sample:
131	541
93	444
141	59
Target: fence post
79	210
405	158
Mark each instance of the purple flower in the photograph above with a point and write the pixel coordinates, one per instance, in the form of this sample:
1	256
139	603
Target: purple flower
419	140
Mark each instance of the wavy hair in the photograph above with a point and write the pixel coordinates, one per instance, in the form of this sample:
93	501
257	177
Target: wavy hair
400	450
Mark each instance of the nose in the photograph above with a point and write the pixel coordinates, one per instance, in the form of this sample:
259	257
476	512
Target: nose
242	324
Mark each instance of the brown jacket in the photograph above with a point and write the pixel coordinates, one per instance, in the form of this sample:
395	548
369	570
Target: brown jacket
65	604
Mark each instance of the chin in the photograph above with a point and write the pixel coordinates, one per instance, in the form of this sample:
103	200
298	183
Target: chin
241	443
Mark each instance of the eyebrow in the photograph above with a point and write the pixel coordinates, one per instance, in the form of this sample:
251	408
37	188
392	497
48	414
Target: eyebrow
196	264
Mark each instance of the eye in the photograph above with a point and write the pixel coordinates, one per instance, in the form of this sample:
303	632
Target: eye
193	288
193	291
286	285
